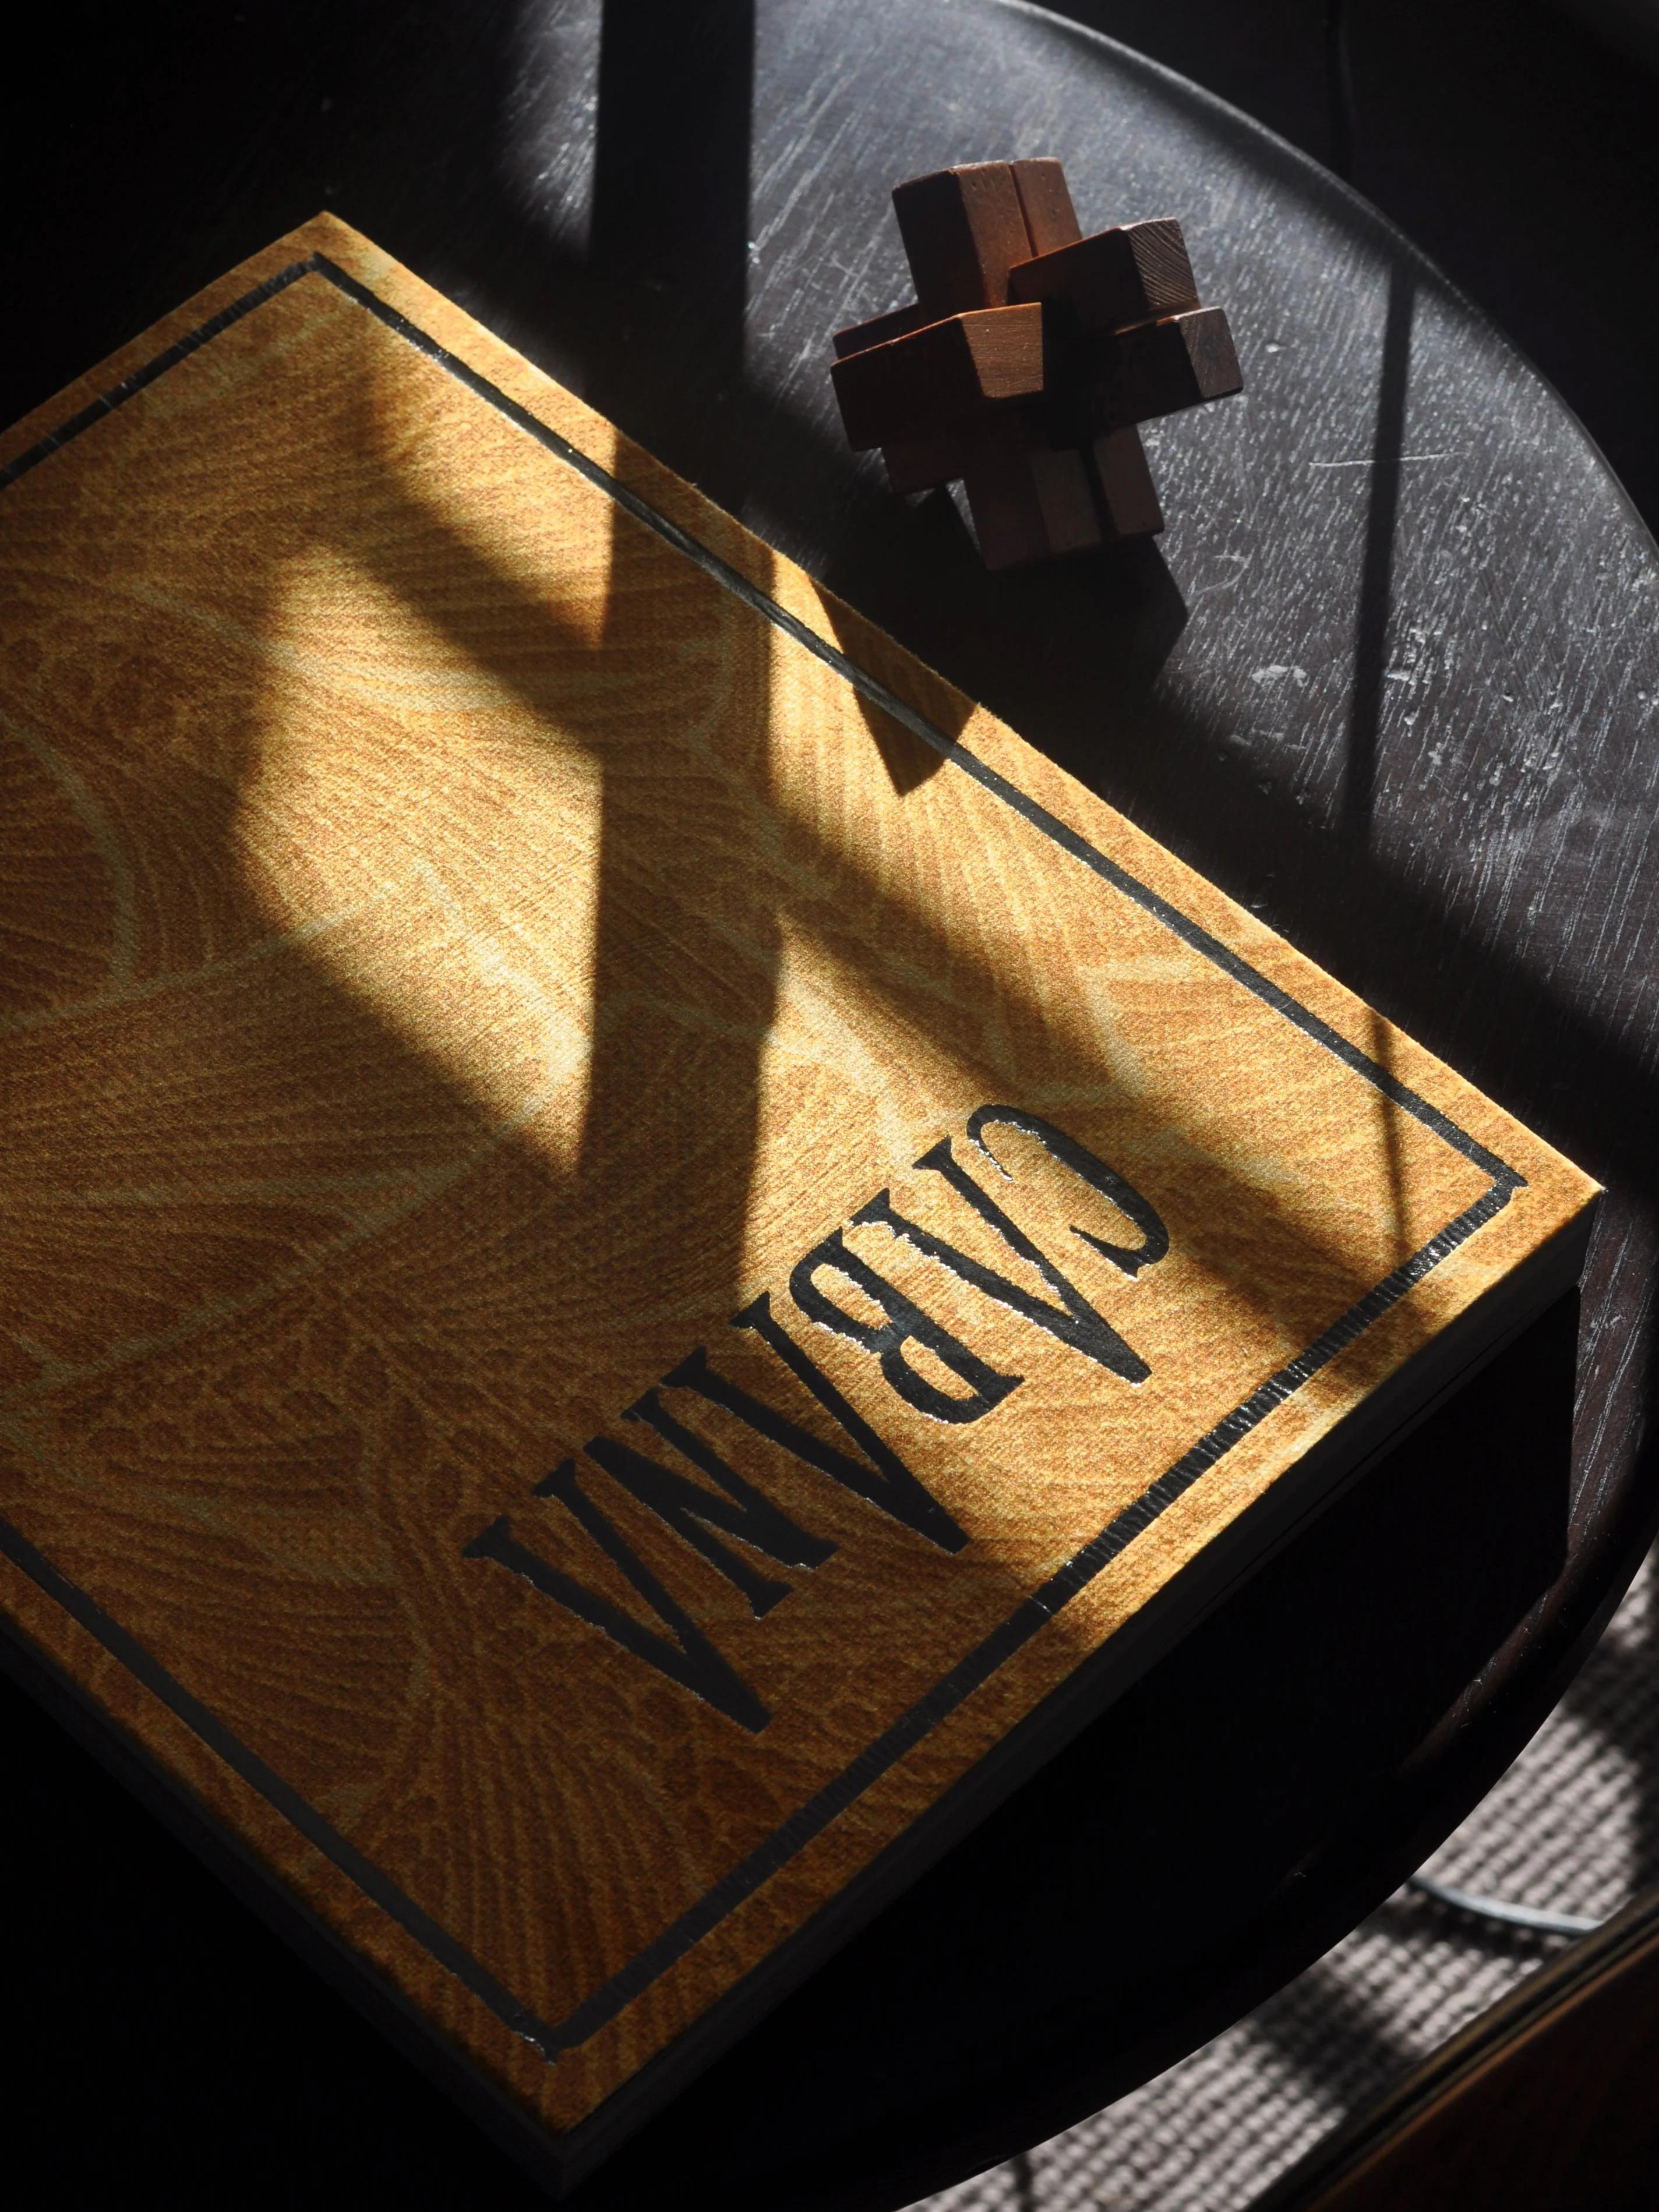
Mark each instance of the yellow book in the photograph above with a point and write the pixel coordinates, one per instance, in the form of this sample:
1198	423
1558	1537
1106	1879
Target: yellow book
641	1256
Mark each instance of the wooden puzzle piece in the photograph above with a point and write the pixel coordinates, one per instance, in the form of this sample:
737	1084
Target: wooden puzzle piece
963	230
927	464
1032	501
1133	274
947	372
1128	496
1045	201
1157	368
878	330
1027	357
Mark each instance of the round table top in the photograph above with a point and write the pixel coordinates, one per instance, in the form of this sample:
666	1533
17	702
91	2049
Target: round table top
1386	679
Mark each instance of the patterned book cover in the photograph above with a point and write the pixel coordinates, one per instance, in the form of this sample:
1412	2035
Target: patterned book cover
640	1252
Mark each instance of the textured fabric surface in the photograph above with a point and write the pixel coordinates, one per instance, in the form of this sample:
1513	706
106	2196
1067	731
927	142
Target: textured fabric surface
1572	1827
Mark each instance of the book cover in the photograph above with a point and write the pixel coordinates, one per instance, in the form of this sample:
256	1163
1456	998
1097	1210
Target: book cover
640	1255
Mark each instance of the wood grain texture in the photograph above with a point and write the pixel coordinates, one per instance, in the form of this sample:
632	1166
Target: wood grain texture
950	372
1045	202
963	228
1158	368
1133	274
1029	501
464	952
1128	496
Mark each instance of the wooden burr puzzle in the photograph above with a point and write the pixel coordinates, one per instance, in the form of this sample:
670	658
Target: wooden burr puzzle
642	1256
1029	357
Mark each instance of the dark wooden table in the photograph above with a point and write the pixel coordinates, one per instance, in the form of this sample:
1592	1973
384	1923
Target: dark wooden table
1389	679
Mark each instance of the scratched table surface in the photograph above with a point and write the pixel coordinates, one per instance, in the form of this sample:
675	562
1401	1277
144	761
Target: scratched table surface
1388	677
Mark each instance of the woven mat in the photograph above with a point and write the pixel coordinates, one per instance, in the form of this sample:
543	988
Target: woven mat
1572	1827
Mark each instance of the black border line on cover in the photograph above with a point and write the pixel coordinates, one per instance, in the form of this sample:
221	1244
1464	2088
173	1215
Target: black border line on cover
1035	1612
